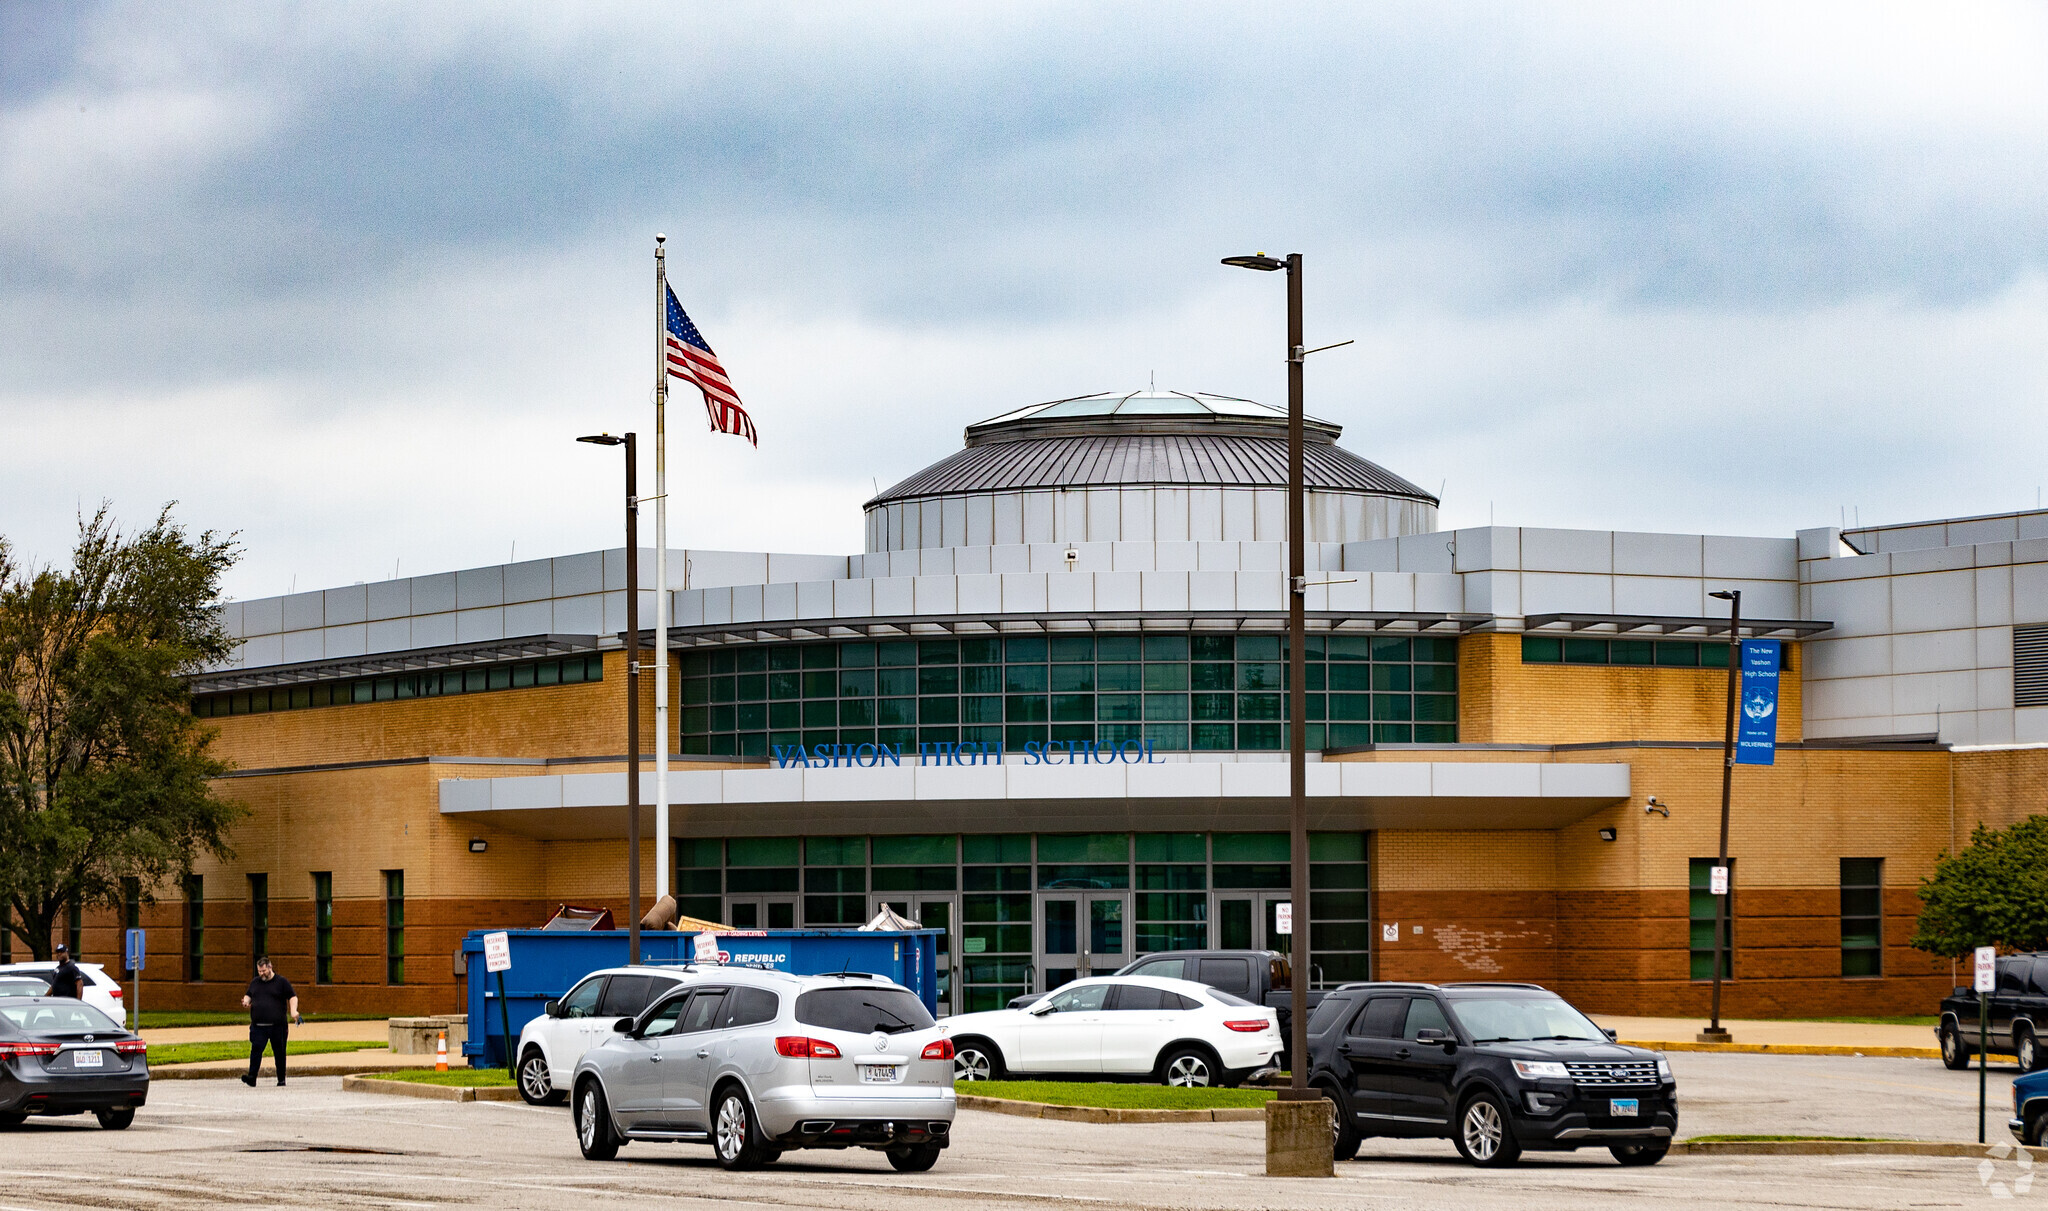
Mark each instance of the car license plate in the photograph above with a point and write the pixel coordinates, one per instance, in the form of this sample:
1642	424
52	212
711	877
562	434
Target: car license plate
1622	1107
879	1074
89	1059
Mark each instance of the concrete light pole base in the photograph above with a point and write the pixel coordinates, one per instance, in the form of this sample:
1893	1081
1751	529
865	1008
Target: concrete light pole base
1298	1142
1715	1034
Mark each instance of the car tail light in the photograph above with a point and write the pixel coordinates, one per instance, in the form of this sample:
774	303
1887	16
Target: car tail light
8	1050
1249	1027
798	1047
941	1050
131	1047
114	993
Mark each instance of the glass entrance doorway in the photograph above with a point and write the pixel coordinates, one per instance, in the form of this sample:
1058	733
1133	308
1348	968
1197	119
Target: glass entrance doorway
1250	921
760	912
1082	934
931	912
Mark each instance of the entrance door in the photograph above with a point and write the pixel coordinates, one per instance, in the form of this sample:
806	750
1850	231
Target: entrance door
1249	920
760	912
1082	934
933	911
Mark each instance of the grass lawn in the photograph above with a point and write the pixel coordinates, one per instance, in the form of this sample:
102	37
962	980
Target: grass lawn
178	1019
238	1049
1116	1096
1787	1139
464	1078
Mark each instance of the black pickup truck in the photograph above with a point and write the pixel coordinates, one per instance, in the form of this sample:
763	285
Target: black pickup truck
2018	1011
1263	977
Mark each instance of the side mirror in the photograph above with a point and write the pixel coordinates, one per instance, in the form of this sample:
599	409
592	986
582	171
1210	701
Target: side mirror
623	1026
1435	1037
1041	1009
1612	1035
553	1009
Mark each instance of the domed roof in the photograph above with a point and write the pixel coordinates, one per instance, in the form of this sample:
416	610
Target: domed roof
1140	438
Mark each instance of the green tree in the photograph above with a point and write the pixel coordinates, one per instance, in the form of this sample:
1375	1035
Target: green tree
104	773
1994	893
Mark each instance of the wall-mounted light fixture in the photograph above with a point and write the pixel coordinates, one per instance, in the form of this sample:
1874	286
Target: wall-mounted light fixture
1607	834
478	845
1662	809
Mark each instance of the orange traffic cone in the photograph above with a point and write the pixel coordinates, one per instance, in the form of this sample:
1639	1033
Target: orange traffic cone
441	1054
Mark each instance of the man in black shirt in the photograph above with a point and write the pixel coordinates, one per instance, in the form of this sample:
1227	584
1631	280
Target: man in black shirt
67	981
273	1008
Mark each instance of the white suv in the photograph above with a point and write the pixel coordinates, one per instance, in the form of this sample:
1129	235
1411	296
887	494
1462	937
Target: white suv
551	1044
1177	1032
101	991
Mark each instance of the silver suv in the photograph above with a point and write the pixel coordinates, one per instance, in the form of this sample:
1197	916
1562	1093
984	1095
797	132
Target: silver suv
757	1062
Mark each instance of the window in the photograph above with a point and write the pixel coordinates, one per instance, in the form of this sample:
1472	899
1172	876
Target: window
1424	1014
864	1010
662	1022
195	927
1704	904
571	670
1381	1018
624	997
1207	692
698	866
704	1011
750	1007
394	927
1087	998
2013	975
1863	916
259	916
323	927
1230	975
582	999
74	927
6	933
1663	653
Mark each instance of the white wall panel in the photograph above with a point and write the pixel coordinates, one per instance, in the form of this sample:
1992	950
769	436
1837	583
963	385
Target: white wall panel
1212	590
1118	592
474	626
1012	558
390	635
1132	557
300	646
1565	593
1934	651
433	594
953	522
1934	601
980	522
1038	517
1752	558
1070	592
1176	556
389	599
350	603
1436	592
477	587
895	596
981	594
1269	522
1009	519
937	595
1023	594
1170	515
778	601
1238	511
1165	590
304	611
435	630
747	603
1567	550
533	618
584	615
853	599
1104	516
1856	607
1205	514
1660	595
1393	591
1659	554
1864	656
814	598
530	580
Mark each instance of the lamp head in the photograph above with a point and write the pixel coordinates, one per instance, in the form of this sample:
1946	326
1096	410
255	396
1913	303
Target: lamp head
1259	261
1726	594
603	439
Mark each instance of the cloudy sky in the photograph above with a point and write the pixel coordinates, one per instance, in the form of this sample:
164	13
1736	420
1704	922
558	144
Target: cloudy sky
348	278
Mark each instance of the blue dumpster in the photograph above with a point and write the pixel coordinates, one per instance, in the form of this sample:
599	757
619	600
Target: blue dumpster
547	963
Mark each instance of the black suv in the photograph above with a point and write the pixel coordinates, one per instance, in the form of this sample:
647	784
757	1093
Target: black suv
2018	1011
1497	1068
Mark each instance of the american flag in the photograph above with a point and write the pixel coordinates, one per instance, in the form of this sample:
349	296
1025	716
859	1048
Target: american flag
690	357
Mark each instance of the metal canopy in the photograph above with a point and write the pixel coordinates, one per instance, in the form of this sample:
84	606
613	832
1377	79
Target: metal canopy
1658	624
935	626
374	664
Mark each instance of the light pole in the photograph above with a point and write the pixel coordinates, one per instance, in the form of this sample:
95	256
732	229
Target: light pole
1297	678
1714	1032
632	687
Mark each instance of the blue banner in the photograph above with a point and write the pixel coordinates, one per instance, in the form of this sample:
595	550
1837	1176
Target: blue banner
1756	726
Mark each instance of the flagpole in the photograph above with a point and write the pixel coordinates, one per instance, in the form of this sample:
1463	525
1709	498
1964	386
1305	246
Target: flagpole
662	887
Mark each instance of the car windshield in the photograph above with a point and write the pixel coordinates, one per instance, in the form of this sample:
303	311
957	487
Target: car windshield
58	1016
863	1010
1506	1018
16	986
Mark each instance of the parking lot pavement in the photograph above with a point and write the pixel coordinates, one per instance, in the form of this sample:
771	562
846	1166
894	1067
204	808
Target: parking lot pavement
216	1143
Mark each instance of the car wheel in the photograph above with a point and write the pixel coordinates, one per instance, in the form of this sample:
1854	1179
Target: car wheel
976	1060
2027	1049
1485	1136
1344	1137
1640	1154
117	1118
1955	1054
2035	1133
594	1132
536	1087
914	1158
735	1136
13	1118
1188	1067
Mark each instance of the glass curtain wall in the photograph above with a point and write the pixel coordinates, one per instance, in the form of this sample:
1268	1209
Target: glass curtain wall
1008	882
1182	693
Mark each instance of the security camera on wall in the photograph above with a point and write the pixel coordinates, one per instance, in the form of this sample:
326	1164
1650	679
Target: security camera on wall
1661	809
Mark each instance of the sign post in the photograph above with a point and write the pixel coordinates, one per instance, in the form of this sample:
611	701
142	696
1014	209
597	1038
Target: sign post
498	958
138	953
1986	984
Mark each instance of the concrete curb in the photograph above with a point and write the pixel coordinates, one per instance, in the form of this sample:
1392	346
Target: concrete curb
1106	1114
435	1093
1846	1148
1915	1053
307	1067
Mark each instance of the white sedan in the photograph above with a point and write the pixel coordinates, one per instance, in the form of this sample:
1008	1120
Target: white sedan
1177	1032
101	991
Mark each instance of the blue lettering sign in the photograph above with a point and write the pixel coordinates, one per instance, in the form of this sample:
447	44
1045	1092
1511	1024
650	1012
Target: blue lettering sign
1756	720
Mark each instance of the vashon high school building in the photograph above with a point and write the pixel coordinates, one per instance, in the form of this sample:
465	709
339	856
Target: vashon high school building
1093	589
